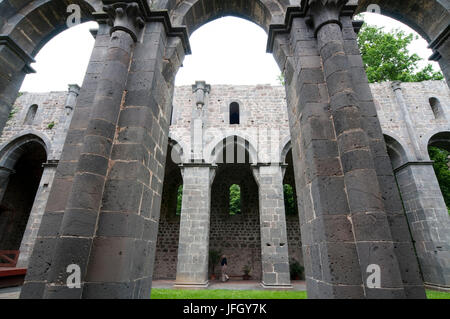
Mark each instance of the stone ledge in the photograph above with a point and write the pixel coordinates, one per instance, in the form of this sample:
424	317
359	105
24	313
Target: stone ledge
191	285
416	163
276	287
21	53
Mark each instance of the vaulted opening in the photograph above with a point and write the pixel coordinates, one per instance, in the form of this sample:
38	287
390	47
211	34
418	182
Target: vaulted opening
19	194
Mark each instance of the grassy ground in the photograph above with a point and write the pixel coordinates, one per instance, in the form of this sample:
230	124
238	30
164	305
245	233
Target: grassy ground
437	294
226	294
249	294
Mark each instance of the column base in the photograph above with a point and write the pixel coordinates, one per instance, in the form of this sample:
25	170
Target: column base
187	285
279	287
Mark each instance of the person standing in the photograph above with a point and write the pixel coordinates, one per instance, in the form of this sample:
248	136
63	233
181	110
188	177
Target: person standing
224	265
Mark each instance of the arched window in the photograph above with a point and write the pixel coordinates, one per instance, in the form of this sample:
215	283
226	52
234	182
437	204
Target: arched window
436	107
234	113
289	200
235	199
179	199
31	114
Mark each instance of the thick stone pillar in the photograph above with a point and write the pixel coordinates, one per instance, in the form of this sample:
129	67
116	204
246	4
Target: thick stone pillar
193	247
41	258
403	244
344	224
428	219
79	224
36	213
274	245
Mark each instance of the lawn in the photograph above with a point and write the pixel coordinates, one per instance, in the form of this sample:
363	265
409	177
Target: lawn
249	294
226	294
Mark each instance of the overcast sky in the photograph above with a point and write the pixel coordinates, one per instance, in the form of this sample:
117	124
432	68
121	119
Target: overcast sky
226	51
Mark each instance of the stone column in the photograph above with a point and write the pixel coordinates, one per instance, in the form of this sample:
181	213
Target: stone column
397	87
403	244
193	247
428	220
36	213
274	245
344	226
65	119
5	173
201	91
79	223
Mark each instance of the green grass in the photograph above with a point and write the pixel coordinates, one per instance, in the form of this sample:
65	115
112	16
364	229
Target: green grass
250	294
226	294
431	294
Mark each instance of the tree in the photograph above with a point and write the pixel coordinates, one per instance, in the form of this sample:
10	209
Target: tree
289	201
235	199
440	158
386	56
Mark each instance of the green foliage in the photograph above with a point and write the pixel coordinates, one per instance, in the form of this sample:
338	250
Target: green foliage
440	158
12	113
51	125
235	199
386	57
281	79
179	199
289	201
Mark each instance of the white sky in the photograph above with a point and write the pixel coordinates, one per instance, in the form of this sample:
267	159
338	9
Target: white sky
226	51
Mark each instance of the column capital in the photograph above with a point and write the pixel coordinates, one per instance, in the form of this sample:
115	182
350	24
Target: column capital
323	12
301	11
396	85
74	89
125	16
200	89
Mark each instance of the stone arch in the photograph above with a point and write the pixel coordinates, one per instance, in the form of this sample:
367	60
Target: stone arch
214	147
178	150
194	14
25	27
427	17
441	140
21	168
17	146
286	147
33	24
396	151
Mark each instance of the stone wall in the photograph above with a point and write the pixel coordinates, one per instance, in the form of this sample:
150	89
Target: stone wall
262	107
51	110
